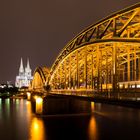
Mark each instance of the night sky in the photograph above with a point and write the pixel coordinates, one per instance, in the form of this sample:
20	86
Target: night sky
39	29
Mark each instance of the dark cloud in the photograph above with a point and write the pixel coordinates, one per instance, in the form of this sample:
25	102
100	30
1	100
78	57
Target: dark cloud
39	29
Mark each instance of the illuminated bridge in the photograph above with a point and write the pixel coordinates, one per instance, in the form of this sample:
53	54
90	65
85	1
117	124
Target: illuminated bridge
40	79
104	56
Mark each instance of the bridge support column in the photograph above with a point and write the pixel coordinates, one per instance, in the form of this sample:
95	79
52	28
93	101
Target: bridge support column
98	69
128	63
57	81
101	73
92	66
77	70
106	70
135	77
70	72
65	85
85	69
61	80
114	59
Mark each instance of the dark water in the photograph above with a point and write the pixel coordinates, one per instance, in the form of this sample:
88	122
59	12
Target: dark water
106	122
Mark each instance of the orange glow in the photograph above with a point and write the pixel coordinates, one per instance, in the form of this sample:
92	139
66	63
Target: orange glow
39	105
29	109
120	86
28	95
37	129
39	100
35	97
92	106
92	129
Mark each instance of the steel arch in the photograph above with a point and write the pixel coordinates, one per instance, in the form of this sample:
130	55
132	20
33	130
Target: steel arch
102	55
40	78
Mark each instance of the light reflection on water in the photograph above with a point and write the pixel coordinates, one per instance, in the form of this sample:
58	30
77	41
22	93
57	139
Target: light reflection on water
37	130
29	109
0	107
92	106
92	129
17	116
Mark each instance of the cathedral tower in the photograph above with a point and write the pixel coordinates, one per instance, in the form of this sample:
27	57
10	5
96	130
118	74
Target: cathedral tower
28	70
25	75
21	69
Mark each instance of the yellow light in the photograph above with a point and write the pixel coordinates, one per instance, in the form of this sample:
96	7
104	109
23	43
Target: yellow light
39	105
39	100
37	130
126	86
35	97
121	86
93	134
133	86
138	86
110	86
28	95
81	80
36	126
92	106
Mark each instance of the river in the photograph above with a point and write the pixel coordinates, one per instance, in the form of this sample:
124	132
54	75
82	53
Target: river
105	122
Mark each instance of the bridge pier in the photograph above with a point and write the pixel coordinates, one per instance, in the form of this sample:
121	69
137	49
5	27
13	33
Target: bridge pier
54	105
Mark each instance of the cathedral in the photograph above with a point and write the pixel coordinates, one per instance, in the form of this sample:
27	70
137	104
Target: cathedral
25	75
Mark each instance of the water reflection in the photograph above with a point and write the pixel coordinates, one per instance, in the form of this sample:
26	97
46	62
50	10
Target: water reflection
17	101
19	122
92	106
37	130
7	103
29	109
92	129
0	103
0	108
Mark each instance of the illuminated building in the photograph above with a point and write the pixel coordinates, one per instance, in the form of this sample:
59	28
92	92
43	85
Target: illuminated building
40	79
25	75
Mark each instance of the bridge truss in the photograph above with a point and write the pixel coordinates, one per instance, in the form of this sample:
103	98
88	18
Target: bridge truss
39	79
106	55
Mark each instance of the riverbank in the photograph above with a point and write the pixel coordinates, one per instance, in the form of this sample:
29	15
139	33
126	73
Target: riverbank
19	96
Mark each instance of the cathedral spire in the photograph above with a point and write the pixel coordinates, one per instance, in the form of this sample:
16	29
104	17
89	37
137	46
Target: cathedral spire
25	75
28	64
21	69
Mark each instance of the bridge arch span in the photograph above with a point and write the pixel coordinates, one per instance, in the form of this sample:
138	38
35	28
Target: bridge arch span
102	56
40	78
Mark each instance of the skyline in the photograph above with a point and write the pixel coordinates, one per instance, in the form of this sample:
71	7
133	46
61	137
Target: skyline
40	30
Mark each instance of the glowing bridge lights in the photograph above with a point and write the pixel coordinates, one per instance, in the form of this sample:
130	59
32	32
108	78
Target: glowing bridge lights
102	56
39	100
39	105
28	96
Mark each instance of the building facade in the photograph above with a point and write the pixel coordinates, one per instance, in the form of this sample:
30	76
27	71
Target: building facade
24	77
